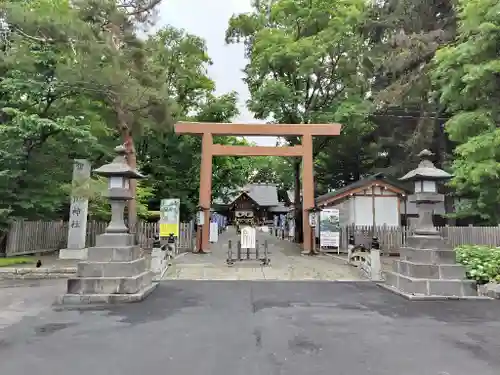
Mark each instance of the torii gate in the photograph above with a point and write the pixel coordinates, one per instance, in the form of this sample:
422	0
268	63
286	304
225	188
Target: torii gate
209	150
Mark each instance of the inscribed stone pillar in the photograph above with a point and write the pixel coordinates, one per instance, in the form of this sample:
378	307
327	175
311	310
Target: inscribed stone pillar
77	226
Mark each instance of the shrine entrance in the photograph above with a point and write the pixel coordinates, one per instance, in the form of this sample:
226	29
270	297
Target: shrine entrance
209	150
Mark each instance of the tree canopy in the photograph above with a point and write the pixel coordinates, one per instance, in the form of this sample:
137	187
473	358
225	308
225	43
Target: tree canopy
79	77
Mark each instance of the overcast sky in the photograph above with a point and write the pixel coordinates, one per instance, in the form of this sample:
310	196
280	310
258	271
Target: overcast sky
209	19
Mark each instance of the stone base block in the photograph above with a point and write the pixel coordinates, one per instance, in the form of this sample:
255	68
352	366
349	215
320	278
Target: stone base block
76	254
429	271
114	240
111	269
428	242
105	298
109	285
429	256
430	287
113	253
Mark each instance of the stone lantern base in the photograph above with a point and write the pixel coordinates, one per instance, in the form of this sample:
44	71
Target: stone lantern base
427	269
114	272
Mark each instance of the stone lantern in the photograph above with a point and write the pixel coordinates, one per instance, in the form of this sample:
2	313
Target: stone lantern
118	173
427	267
425	178
114	271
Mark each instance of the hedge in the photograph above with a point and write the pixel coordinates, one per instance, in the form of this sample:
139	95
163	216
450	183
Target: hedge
482	263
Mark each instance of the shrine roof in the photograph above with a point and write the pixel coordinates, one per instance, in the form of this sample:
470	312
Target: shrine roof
367	181
263	194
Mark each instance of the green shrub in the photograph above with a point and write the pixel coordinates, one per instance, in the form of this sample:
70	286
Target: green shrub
482	263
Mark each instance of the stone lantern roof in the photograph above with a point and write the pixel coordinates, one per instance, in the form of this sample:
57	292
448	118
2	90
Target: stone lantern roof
119	166
426	170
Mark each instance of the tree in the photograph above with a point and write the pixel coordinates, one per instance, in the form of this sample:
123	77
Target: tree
466	77
43	121
106	59
172	162
303	64
404	37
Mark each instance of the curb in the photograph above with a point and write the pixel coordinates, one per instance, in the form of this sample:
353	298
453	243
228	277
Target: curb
13	273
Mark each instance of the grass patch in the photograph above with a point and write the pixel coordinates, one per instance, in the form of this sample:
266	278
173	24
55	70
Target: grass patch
13	261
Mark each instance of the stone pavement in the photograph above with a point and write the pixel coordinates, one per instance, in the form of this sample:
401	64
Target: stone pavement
251	328
286	264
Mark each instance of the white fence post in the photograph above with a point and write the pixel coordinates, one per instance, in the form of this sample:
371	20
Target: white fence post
375	265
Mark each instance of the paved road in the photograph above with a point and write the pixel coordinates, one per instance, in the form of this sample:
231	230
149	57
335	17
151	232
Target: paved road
286	264
256	328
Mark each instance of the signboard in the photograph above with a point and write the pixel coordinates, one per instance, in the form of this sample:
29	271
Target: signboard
200	218
329	227
214	232
169	217
248	235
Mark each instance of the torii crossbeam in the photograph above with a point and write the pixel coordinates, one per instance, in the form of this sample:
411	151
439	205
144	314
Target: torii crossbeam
209	150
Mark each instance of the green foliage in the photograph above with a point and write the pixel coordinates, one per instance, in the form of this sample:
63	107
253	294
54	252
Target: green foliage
482	263
304	68
466	80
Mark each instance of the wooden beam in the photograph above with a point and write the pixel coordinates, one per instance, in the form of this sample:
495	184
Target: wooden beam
256	129
256	150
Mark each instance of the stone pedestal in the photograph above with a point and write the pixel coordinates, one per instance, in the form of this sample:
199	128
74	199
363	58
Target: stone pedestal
427	269
114	272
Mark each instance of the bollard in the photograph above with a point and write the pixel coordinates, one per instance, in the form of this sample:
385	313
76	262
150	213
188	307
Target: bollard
266	260
230	253
238	254
350	246
376	266
257	249
248	253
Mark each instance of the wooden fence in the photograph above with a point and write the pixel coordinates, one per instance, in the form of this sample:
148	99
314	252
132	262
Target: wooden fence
392	238
29	237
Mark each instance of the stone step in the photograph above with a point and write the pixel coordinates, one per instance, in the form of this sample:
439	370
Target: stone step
113	253
109	285
429	271
429	256
111	269
430	287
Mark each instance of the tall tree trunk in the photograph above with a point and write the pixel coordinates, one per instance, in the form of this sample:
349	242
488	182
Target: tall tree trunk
132	204
132	162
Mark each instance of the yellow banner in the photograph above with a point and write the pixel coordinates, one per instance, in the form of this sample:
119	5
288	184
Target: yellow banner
167	229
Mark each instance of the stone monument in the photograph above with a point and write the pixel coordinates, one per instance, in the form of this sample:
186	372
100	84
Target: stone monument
77	229
114	271
427	268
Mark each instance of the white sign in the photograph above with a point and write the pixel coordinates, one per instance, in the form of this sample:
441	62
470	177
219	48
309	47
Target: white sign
329	224
200	218
248	235
214	232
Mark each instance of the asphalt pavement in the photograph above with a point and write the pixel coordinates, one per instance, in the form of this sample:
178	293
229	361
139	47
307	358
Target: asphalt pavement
249	327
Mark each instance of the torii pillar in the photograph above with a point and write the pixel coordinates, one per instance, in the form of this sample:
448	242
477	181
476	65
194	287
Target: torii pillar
209	150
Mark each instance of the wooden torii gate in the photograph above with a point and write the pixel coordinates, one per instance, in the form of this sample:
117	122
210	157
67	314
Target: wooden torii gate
304	150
